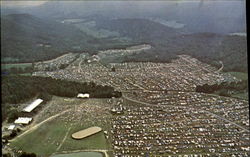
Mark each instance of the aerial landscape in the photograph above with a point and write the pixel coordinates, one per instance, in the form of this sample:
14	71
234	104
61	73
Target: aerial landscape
124	79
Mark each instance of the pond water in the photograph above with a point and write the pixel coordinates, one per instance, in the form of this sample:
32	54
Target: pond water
80	154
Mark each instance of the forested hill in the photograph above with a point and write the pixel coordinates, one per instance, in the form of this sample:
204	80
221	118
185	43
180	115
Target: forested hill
168	42
26	38
138	29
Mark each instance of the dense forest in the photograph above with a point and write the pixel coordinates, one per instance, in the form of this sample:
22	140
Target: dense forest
17	89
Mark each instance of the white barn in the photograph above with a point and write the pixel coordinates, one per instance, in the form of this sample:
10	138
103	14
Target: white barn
33	105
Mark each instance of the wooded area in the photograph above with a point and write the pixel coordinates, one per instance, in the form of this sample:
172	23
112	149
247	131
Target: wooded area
19	89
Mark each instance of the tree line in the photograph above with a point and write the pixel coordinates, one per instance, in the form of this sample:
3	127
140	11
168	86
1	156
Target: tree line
17	89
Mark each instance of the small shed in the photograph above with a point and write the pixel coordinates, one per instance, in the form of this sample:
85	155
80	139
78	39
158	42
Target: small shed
80	95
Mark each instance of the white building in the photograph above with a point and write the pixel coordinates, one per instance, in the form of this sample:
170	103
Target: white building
80	95
33	105
23	120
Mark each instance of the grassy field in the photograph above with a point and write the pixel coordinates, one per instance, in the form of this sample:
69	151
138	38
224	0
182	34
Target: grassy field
26	74
16	65
242	76
239	75
96	141
80	154
54	136
241	95
43	141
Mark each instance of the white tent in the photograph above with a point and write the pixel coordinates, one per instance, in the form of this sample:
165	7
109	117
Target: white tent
33	105
80	95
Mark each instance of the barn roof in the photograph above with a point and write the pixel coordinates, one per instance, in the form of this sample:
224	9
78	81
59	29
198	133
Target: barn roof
33	105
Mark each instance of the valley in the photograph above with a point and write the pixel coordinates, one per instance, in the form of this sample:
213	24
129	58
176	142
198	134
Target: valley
124	79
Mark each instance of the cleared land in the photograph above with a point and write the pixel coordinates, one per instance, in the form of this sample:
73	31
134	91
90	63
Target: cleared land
239	75
56	133
15	65
80	154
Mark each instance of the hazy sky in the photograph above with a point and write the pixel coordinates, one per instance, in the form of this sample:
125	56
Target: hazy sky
21	3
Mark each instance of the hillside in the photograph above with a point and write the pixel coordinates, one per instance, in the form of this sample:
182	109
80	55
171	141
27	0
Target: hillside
26	38
138	29
168	42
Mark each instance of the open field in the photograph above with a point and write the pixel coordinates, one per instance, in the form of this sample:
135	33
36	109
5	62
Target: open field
241	95
54	136
42	141
15	65
239	75
86	132
80	154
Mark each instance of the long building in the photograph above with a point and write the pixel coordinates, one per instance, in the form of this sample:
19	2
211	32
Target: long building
33	105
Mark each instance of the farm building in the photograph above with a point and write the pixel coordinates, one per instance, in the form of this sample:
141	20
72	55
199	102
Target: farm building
86	132
33	105
23	120
80	95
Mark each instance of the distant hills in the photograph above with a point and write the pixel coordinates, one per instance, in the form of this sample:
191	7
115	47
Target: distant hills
26	38
198	16
168	42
